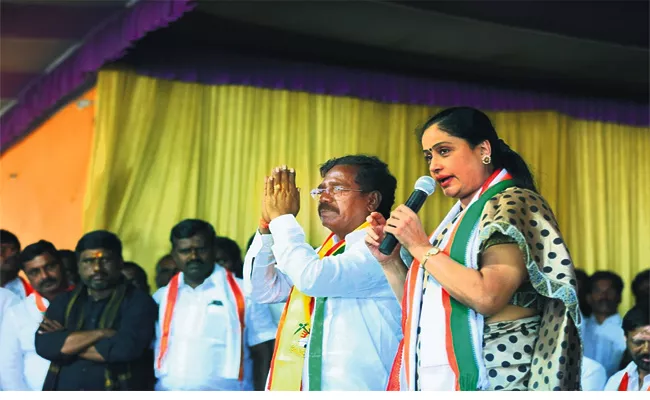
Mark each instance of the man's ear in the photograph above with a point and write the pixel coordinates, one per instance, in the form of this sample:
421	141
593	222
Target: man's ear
374	200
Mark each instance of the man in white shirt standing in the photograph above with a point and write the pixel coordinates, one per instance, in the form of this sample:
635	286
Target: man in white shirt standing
7	299
20	367
341	326
10	266
603	337
636	376
205	327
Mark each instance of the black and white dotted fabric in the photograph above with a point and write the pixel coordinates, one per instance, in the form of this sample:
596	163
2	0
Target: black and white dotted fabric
556	359
508	352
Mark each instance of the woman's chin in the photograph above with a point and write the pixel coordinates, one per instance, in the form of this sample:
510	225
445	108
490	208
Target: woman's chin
450	192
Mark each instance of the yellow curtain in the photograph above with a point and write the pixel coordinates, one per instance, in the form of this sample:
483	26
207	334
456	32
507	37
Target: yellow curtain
164	151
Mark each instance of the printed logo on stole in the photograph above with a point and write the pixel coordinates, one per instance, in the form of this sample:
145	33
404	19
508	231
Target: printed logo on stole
300	340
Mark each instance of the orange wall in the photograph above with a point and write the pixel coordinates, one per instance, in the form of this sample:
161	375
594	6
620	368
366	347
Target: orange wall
43	178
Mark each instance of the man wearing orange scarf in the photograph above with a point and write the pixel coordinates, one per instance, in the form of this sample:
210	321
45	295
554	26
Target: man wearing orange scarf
20	367
341	325
636	375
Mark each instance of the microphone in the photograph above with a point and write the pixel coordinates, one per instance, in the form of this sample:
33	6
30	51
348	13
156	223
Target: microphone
424	187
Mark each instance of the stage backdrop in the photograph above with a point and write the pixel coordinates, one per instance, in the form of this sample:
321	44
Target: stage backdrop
166	150
43	178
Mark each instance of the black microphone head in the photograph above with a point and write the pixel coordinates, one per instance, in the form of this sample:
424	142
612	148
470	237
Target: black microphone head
426	184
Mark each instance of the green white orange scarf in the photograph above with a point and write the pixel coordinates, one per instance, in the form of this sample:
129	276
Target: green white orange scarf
295	332
464	328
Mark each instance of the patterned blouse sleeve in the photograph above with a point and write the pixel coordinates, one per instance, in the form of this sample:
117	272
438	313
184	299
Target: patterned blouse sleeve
524	216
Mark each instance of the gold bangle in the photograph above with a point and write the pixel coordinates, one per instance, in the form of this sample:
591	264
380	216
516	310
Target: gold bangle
432	252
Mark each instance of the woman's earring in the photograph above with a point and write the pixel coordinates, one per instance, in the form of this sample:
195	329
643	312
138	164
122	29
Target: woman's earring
487	160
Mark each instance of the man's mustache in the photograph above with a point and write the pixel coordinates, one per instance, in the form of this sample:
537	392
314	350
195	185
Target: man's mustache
47	281
326	207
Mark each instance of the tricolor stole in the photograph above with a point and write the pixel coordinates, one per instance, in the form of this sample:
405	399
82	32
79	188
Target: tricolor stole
294	332
463	357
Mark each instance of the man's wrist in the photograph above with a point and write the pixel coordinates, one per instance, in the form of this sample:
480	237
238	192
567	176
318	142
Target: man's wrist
264	227
393	264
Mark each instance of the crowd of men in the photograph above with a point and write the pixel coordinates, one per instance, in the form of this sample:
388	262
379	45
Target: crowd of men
85	319
609	344
56	337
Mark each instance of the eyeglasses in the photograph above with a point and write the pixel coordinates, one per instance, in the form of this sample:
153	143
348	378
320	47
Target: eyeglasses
333	191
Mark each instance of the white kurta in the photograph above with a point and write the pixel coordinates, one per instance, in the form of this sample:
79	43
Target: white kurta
20	367
361	329
7	299
593	376
632	384
199	336
17	287
604	343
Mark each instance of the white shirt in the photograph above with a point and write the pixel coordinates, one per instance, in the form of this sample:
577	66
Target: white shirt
198	336
17	287
7	299
604	343
20	367
593	375
633	382
361	327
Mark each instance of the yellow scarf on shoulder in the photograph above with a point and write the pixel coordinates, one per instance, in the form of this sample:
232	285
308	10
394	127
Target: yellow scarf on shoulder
294	330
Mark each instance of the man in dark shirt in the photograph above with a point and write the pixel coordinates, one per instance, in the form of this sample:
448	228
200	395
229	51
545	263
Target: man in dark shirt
96	335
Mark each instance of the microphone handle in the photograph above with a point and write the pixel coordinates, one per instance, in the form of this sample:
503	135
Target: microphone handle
414	202
388	244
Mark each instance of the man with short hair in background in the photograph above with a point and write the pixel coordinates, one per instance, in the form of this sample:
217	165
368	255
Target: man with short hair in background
603	337
206	327
20	367
166	268
10	266
636	375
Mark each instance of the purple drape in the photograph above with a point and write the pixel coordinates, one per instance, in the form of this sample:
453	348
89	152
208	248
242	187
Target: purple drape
107	44
221	68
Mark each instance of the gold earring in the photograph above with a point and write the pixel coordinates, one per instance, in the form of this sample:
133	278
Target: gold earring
487	160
